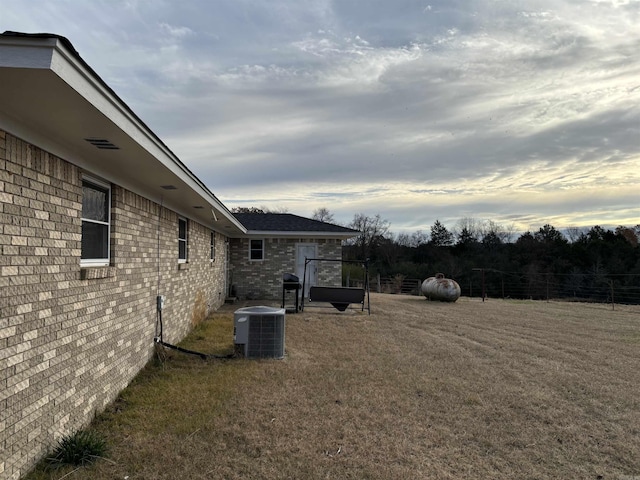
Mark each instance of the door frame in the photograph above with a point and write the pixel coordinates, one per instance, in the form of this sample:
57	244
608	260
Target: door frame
312	267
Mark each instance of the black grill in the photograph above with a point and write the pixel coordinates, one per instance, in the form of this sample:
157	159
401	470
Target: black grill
291	282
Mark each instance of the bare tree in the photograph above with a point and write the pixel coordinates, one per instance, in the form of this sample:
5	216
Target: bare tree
403	240
509	233
261	209
247	210
419	238
323	214
468	230
494	230
372	231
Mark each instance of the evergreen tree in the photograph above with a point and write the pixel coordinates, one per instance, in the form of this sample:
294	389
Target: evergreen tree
440	236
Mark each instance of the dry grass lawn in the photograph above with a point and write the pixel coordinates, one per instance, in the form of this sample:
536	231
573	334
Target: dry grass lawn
418	389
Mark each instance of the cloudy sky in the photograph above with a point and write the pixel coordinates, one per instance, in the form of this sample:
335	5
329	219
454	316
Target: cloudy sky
523	112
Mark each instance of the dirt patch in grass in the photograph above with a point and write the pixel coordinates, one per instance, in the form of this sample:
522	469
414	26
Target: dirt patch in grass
418	389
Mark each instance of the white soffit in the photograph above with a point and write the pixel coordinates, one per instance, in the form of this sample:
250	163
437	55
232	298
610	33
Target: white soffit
51	95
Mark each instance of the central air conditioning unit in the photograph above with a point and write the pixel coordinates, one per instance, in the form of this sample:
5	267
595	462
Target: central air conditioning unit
258	332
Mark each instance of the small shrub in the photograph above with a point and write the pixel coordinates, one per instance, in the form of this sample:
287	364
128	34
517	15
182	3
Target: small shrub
80	448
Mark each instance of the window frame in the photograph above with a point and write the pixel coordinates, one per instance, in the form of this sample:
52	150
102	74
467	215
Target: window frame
184	240
212	246
98	185
252	249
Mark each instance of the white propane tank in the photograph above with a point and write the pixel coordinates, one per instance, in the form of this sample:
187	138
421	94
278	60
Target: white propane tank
440	288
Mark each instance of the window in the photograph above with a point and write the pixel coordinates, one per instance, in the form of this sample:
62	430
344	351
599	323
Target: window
96	200
213	246
256	250
182	240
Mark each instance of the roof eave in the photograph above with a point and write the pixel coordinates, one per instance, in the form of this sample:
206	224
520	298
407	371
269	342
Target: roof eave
300	234
52	53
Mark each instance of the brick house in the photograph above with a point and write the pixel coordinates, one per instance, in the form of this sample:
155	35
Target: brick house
97	219
277	243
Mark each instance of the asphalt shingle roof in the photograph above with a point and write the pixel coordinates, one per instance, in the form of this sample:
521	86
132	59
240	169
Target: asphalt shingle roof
287	222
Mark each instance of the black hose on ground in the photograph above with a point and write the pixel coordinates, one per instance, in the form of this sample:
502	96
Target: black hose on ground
158	339
204	356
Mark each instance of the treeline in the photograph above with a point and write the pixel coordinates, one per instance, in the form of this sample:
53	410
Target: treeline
592	264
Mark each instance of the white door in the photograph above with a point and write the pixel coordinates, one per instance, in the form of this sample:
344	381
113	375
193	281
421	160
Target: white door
307	250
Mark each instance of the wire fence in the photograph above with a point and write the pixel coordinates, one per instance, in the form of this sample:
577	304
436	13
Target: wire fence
590	287
490	283
398	284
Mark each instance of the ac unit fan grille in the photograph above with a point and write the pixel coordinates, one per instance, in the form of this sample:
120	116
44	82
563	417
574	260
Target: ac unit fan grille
266	336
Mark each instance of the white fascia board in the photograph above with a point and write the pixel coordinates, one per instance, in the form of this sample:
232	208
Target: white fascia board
18	52
65	64
52	54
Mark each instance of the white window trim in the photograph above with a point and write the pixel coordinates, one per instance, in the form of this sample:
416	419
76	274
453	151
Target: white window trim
263	250
98	262
185	240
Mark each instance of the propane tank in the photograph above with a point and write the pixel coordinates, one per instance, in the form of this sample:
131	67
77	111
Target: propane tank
440	288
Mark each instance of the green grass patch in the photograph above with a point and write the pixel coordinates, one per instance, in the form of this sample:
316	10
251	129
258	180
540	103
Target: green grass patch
214	336
78	449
